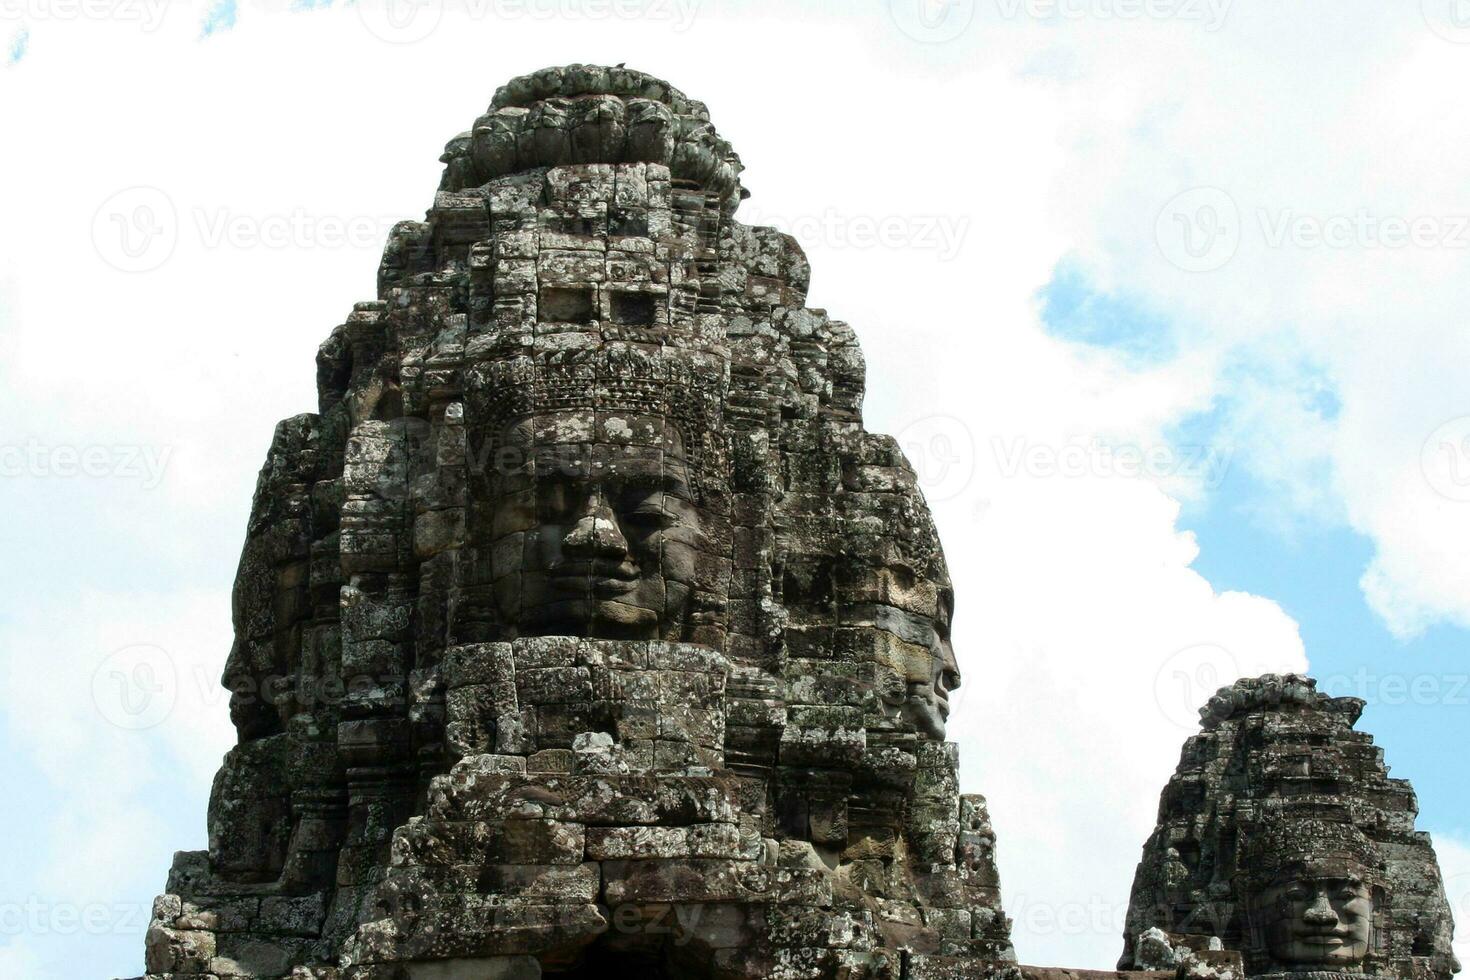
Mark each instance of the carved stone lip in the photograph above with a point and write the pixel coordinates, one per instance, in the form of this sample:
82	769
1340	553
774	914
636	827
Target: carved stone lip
1321	939
600	577
919	691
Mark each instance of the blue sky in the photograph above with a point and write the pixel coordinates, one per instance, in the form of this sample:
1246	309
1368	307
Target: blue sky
221	17
18	46
1251	539
1313	573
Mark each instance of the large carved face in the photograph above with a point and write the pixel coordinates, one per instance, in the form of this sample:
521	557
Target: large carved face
1320	922
595	528
929	687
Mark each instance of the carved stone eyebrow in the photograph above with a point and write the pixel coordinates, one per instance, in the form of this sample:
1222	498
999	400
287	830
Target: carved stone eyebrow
666	479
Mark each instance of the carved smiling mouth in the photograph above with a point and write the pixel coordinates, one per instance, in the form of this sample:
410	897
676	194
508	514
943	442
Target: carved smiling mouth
602	579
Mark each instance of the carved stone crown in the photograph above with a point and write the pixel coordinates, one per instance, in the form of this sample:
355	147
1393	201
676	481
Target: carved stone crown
684	388
1287	846
1269	691
583	114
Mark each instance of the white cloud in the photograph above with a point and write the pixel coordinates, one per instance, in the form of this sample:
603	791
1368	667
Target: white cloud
112	698
1337	158
1081	627
18	961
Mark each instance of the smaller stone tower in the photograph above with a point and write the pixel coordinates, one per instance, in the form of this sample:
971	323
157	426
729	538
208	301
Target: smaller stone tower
1283	845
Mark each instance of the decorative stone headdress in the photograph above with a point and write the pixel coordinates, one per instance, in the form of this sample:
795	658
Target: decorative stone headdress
1309	847
591	114
686	389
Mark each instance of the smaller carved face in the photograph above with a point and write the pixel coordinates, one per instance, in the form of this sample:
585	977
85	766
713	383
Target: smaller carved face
928	693
1322	922
597	538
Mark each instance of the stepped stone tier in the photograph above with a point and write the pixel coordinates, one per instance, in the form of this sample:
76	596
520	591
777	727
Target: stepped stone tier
583	630
1283	847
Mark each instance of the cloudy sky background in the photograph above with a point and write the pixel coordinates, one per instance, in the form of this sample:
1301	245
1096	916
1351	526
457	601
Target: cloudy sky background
1165	298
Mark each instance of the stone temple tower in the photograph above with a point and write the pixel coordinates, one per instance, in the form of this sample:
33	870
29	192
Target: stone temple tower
1283	847
583	630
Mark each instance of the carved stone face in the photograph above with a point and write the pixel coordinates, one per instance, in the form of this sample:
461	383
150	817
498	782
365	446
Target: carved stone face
595	538
1317	922
928	693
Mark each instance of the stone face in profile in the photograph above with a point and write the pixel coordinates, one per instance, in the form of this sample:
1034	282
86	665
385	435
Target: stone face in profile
935	676
585	630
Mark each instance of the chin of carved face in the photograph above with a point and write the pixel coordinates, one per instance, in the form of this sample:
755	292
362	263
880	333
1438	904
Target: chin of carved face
927	710
590	615
1323	922
604	549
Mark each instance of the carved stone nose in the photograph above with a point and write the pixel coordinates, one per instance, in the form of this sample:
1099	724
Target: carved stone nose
1321	912
595	535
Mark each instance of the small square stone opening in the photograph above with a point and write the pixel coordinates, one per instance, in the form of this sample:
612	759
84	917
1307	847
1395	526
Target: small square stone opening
566	304
631	309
